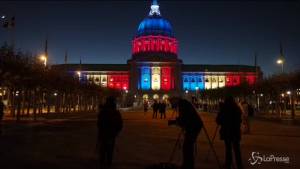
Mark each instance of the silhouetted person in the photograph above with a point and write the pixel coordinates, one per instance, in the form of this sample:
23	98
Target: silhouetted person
245	117
110	124
191	123
230	120
155	107
1	114
162	109
145	106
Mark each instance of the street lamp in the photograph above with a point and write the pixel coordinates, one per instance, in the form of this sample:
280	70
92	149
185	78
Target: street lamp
44	59
78	73
280	61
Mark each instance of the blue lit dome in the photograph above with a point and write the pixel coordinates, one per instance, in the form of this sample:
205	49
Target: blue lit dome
155	25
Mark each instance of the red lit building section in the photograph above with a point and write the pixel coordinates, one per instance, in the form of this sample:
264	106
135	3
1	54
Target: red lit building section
232	80
251	79
154	44
118	81
166	78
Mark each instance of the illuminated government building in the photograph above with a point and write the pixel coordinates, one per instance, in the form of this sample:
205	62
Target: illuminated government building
155	69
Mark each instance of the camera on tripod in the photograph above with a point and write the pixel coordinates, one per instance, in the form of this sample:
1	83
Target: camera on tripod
173	122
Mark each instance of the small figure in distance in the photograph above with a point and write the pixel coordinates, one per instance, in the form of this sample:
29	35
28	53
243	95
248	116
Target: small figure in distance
229	118
155	107
191	123
109	124
145	106
245	117
162	109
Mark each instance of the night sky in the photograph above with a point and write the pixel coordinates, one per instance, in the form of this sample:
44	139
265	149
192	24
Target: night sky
209	32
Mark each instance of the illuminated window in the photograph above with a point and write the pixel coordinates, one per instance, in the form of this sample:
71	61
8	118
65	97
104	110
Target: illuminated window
155	78
208	82
145	78
221	81
166	78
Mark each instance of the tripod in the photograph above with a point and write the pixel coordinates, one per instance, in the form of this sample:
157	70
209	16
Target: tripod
209	141
175	146
213	139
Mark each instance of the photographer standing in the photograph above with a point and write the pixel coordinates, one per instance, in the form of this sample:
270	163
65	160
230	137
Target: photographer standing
109	124
191	124
230	120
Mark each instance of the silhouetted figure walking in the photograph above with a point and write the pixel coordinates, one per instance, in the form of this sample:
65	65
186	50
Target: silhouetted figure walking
155	107
1	114
162	109
191	123
145	106
230	120
110	123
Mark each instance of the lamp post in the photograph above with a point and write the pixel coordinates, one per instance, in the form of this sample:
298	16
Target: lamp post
44	59
79	75
280	62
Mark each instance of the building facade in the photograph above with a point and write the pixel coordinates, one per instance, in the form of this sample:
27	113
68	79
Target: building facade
155	69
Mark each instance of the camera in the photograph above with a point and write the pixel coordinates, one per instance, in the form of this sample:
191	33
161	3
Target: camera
172	122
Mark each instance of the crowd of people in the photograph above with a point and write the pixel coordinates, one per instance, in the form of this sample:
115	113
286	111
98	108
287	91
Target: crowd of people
230	118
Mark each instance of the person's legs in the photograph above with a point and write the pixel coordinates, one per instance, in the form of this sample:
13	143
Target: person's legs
188	151
102	155
110	152
228	154
237	154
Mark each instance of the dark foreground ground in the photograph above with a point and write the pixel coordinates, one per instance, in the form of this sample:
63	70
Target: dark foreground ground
69	142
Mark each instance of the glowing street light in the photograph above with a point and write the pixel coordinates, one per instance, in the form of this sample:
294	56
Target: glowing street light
288	92
44	59
280	62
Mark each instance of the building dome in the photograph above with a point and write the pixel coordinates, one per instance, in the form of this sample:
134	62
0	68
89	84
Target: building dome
155	25
154	36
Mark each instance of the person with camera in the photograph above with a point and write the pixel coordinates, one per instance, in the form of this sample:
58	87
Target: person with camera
229	118
109	124
191	124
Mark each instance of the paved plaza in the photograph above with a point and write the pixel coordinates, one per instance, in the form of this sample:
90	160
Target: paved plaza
69	141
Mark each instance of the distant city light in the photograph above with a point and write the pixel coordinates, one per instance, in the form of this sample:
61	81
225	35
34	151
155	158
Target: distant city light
55	94
288	92
44	59
261	95
279	61
3	17
78	73
186	91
